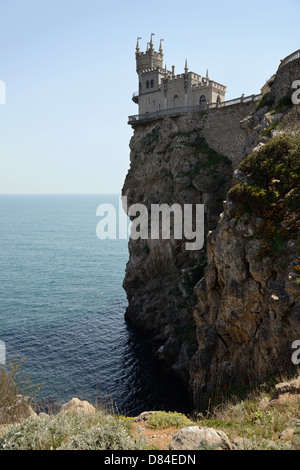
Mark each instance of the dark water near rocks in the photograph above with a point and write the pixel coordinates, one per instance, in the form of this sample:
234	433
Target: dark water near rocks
62	307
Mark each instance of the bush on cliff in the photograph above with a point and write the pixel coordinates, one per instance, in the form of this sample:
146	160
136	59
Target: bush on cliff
273	174
97	431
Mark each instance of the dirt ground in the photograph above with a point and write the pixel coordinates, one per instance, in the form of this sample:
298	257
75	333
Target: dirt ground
156	438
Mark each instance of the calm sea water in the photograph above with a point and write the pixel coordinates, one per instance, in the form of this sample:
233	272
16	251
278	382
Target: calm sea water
62	306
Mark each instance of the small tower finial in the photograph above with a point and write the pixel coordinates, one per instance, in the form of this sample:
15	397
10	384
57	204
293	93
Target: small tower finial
207	74
138	45
186	66
160	46
151	40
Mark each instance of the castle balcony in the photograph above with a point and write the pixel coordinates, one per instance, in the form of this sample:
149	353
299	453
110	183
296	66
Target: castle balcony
135	97
290	58
140	119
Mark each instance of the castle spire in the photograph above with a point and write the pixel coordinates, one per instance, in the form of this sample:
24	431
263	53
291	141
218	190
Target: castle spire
186	66
160	47
151	41
138	45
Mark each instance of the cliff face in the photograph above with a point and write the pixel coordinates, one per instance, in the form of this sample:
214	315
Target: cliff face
227	315
171	164
248	310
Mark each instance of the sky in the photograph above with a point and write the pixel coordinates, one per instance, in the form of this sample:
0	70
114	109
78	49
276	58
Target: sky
69	71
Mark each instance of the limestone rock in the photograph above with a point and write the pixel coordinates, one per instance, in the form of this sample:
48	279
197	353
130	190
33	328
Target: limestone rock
241	443
143	417
287	434
264	404
76	406
251	310
167	167
292	387
197	438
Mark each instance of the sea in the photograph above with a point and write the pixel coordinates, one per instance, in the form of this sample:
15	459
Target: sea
62	308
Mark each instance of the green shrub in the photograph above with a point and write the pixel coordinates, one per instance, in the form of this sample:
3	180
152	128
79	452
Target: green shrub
163	419
273	174
110	436
272	192
278	160
292	199
97	431
266	100
45	433
283	104
249	198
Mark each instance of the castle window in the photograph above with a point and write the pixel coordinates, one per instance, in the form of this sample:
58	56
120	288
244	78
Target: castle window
147	84
202	101
140	86
152	83
175	101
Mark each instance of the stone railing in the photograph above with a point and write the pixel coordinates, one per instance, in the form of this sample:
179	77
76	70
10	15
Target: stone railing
190	109
294	56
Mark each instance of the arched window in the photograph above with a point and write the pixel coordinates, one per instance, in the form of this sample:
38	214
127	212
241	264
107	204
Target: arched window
147	84
176	101
152	83
202	102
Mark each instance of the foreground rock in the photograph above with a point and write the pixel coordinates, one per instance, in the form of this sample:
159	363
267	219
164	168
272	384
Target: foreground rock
292	387
196	438
75	406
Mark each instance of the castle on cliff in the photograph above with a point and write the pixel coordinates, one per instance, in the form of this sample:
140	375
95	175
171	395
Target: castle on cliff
161	89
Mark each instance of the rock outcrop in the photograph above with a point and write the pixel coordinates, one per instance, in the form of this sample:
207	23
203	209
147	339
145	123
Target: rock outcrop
197	438
76	406
248	311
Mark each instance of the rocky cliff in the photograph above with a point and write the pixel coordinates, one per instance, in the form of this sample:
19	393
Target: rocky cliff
226	315
171	163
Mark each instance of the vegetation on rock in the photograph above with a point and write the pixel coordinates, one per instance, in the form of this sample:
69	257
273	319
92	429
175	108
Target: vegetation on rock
272	191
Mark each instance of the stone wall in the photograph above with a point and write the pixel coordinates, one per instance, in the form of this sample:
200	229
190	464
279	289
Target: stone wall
285	76
222	130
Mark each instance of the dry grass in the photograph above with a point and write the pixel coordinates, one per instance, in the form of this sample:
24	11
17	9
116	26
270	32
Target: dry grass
17	394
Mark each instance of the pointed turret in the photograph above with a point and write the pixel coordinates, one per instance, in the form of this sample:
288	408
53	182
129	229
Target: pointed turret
150	59
138	45
151	41
160	47
186	66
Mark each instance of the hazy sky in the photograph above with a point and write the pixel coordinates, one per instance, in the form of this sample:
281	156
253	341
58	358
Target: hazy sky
69	70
